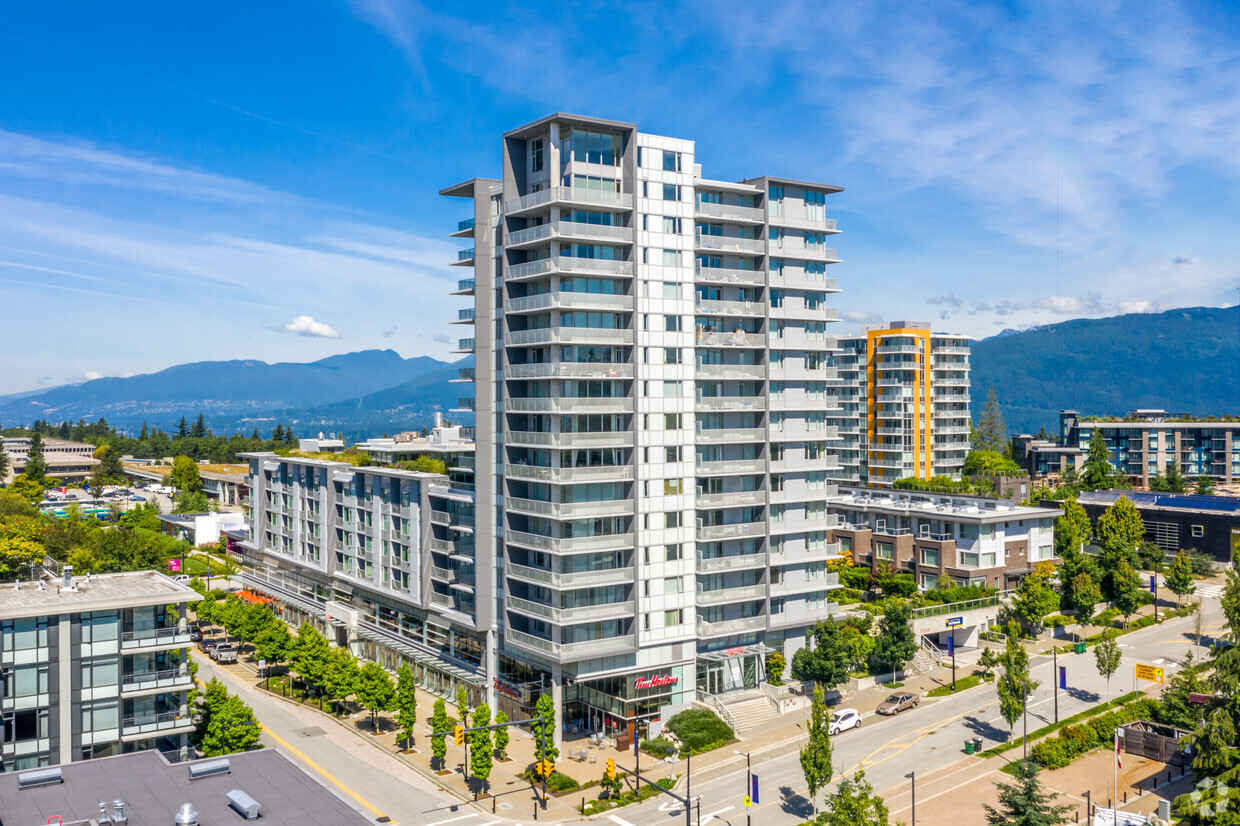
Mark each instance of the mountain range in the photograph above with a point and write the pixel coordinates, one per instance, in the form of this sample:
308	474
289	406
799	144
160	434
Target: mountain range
1185	361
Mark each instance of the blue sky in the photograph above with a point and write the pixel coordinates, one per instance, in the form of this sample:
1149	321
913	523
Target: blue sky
181	182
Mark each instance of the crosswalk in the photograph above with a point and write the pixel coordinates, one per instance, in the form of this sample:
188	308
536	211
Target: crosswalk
1209	590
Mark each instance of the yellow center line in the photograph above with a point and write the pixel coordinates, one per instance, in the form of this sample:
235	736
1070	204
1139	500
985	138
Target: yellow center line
315	766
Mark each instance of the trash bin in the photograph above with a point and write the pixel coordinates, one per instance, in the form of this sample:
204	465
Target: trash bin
1080	647
969	747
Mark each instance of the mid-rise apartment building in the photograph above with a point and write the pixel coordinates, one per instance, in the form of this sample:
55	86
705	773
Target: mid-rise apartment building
652	390
380	559
903	395
974	540
93	666
1141	445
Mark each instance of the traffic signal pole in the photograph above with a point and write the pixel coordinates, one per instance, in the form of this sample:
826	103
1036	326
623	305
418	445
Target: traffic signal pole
542	754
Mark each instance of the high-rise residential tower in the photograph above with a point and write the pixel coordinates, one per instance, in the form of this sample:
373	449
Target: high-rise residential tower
904	404
652	390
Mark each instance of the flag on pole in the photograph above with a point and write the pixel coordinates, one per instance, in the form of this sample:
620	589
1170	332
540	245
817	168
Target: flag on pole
1119	761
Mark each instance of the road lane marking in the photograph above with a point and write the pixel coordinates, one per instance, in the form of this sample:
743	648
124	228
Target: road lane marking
454	819
325	773
620	821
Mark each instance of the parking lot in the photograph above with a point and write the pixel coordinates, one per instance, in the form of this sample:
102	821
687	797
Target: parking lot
122	497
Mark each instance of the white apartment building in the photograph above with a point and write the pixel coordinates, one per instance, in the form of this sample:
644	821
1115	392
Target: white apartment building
652	391
904	404
92	666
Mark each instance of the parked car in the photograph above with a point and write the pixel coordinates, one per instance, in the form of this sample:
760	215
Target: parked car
897	703
224	652
844	719
182	578
206	645
137	498
195	633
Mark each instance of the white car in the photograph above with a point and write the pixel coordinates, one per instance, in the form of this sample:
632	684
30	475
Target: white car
843	719
182	578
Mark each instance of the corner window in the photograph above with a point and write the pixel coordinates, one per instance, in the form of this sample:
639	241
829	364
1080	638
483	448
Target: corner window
536	155
884	550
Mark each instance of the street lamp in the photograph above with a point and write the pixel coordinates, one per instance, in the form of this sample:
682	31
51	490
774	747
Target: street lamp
912	776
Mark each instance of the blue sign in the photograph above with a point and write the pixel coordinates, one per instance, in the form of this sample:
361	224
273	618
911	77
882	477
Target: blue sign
1153	583
1063	677
753	793
951	644
955	622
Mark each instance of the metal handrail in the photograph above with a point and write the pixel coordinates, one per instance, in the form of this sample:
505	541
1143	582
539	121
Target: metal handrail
934	650
718	704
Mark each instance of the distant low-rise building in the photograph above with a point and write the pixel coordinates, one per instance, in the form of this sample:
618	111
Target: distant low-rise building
201	528
1141	445
225	484
70	461
1178	521
93	666
322	444
974	540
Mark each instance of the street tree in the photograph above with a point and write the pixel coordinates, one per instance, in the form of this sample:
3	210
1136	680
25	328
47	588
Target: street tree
1015	685
375	692
896	643
36	465
1107	657
227	725
1098	474
1035	598
987	661
310	655
440	726
1072	529
406	702
816	756
18	553
273	642
462	703
1120	530
1085	597
544	706
1178	709
501	736
185	476
340	677
1180	576
481	756
6	462
828	660
1026	802
853	803
1125	590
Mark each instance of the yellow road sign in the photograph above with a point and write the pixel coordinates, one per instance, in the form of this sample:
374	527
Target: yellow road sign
749	801
1152	673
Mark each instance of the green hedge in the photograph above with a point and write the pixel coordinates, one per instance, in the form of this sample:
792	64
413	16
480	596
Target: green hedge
659	747
700	729
1075	740
560	782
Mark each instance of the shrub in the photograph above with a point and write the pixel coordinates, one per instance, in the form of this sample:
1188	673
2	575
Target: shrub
560	782
1075	740
957	593
1107	618
1057	621
699	730
659	747
856	578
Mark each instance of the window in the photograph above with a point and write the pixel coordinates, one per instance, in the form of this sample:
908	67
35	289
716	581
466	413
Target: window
671	192
102	716
884	550
673	617
671	454
776	199
672	487
671	355
1198	531
671	553
536	155
930	556
25	681
671	161
671	323
671	421
595	147
671	258
673	585
100	672
671	389
670	225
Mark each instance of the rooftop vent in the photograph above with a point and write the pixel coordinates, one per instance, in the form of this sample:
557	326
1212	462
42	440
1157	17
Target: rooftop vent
68	575
187	815
243	804
118	809
211	768
40	777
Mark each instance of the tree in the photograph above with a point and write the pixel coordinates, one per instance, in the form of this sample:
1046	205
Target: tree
1085	597
182	430
1176	483
895	644
1204	486
406	702
989	463
1107	657
26	488
36	467
185	477
1177	707
340	676
1072	529
775	667
199	430
1034	599
1126	590
853	803
1026	802
195	502
18	553
1015	686
544	706
5	462
987	661
228	724
501	736
828	660
462	703
816	756
1098	473
310	655
481	757
440	726
991	433
1180	576
1120	530
109	463
611	786
375	691
272	642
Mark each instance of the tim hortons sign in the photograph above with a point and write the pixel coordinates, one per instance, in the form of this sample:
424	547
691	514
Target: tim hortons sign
657	681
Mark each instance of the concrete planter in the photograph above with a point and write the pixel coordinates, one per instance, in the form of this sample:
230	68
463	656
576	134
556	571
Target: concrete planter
856	684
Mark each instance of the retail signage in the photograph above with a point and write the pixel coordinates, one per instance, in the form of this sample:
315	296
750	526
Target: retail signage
735	652
656	681
955	622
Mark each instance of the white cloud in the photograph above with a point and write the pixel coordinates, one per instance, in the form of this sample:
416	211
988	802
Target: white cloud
950	300
91	375
1185	259
861	316
305	325
1071	304
442	338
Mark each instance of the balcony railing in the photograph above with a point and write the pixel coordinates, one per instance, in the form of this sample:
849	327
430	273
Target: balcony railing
708	403
732	308
565	335
155	723
728	243
569	229
573	300
622	438
573	544
730	339
172	678
561	263
729	212
738	435
465	255
143	638
555	579
734	593
728	466
727	275
720	564
710	533
467	224
614	404
734	626
569	370
570	194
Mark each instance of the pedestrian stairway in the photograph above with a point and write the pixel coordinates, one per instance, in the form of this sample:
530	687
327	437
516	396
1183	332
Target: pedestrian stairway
753	713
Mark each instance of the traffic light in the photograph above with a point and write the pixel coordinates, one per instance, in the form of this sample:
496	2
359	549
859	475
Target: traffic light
611	768
459	733
545	768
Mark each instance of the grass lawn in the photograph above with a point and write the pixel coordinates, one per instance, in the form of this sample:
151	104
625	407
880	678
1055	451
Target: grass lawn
961	684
